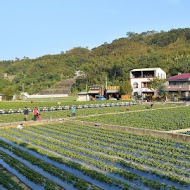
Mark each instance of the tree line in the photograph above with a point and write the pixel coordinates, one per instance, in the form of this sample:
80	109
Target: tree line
168	50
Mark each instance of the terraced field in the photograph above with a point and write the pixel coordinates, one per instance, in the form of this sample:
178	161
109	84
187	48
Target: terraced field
70	156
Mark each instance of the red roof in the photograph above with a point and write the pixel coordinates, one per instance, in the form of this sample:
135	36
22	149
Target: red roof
180	76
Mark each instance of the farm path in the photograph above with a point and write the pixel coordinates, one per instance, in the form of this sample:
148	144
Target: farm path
180	130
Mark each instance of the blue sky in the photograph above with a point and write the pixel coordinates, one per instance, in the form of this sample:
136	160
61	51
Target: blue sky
34	28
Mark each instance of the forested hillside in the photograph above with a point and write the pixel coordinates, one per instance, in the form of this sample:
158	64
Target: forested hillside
168	50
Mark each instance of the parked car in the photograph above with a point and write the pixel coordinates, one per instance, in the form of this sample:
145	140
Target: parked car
100	98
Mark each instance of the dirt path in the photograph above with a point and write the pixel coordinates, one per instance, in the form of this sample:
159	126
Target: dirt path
180	130
30	123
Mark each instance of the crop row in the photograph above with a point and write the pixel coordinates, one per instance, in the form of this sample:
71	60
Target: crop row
123	146
7	181
49	104
55	146
65	113
120	151
84	169
27	172
101	165
59	108
64	176
102	137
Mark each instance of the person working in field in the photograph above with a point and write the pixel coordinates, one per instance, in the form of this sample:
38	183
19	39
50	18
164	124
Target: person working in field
20	126
35	113
39	117
73	111
127	108
26	113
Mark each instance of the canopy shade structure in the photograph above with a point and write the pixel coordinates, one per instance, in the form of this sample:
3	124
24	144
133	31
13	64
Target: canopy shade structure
93	92
112	92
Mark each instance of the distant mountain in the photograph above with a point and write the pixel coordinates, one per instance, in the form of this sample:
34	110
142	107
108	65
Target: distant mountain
168	50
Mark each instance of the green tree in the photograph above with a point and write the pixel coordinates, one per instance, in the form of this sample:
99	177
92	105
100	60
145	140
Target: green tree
8	92
126	88
3	84
158	85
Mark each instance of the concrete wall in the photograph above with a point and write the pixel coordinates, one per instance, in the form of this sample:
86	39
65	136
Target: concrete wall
138	131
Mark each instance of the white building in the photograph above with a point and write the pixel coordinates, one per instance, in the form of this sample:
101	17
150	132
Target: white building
1	97
83	96
79	73
25	96
141	77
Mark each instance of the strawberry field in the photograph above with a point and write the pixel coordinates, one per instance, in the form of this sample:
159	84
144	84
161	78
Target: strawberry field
70	156
13	117
155	119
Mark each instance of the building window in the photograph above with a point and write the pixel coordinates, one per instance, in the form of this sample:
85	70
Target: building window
144	84
135	85
172	83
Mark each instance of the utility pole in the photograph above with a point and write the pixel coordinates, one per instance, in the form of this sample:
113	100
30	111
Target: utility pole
106	83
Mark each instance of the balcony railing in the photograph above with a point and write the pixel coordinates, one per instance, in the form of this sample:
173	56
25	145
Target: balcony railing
133	77
178	87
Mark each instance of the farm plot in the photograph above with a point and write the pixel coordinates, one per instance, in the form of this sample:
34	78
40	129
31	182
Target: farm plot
159	119
74	156
5	118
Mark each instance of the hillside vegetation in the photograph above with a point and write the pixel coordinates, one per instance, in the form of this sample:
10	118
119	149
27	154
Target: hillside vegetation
168	50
